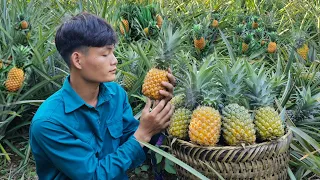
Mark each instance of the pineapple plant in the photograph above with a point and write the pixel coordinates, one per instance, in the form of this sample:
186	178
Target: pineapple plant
245	44
170	43
15	76
261	93
272	46
199	41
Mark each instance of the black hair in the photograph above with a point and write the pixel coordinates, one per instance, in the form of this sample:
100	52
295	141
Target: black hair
82	31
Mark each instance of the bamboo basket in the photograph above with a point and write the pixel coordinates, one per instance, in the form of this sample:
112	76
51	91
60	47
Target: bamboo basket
267	160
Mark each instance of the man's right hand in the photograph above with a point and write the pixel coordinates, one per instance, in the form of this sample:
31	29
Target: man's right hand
155	121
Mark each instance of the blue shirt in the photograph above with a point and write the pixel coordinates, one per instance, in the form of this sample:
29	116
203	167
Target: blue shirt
70	139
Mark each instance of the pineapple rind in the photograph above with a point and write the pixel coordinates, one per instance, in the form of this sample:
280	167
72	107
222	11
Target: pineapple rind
153	83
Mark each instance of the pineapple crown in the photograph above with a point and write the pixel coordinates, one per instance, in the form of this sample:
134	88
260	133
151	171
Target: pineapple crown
170	43
259	32
197	31
260	89
273	36
21	55
255	19
248	38
300	39
307	105
231	81
215	16
239	29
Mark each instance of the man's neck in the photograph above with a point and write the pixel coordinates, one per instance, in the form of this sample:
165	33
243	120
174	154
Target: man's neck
86	90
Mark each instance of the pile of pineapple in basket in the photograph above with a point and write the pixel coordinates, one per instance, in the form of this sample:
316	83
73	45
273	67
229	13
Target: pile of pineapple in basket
220	103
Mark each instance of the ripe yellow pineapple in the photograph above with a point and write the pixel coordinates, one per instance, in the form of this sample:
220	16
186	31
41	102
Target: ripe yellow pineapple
272	46
205	126
237	125
124	26
215	23
146	31
269	124
303	51
1	63
15	76
199	41
158	73
179	123
159	20
255	23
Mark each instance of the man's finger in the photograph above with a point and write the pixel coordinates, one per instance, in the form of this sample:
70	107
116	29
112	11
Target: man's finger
168	115
165	110
167	95
159	107
146	108
172	79
168	86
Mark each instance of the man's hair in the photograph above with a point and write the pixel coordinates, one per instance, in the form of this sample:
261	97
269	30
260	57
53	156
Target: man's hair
82	31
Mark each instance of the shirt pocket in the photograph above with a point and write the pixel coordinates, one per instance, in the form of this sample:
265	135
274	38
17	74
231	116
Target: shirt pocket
116	132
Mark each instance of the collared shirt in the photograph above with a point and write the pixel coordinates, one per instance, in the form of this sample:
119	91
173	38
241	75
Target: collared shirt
71	139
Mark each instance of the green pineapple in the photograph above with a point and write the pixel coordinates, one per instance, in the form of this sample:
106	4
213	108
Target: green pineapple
261	94
237	125
179	123
178	100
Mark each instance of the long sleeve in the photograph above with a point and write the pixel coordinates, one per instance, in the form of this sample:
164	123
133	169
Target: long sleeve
77	159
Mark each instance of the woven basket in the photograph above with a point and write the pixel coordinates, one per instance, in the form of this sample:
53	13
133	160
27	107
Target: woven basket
268	160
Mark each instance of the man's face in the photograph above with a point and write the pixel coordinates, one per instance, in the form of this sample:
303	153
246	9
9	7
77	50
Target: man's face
99	64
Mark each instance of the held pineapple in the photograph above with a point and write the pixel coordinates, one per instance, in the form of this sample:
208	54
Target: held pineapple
153	81
237	125
205	126
199	41
16	74
261	93
179	123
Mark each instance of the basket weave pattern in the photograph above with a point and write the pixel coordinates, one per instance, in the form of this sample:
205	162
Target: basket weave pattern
268	160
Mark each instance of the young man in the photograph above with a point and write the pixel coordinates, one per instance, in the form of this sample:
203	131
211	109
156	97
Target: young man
86	130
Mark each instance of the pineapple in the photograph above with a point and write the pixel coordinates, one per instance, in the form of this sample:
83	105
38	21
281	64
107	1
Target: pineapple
205	126
124	26
1	63
268	123
301	45
303	51
261	93
16	74
272	46
237	125
146	31
255	23
129	80
179	123
159	20
24	24
178	100
245	44
215	23
199	41
170	42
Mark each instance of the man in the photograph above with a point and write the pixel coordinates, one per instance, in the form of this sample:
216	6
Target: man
86	130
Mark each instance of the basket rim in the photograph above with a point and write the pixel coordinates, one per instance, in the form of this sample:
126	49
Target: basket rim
281	139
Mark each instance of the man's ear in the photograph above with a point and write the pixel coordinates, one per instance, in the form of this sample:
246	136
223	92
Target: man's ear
75	59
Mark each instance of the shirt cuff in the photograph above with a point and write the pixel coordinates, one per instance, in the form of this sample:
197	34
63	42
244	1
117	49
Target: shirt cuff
140	156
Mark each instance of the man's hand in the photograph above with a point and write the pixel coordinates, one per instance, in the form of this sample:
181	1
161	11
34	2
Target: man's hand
169	86
155	121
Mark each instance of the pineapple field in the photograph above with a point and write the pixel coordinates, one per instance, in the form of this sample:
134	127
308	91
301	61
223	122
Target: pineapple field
247	96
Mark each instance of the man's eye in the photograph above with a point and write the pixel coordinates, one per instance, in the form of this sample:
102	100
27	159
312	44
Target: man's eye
105	55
